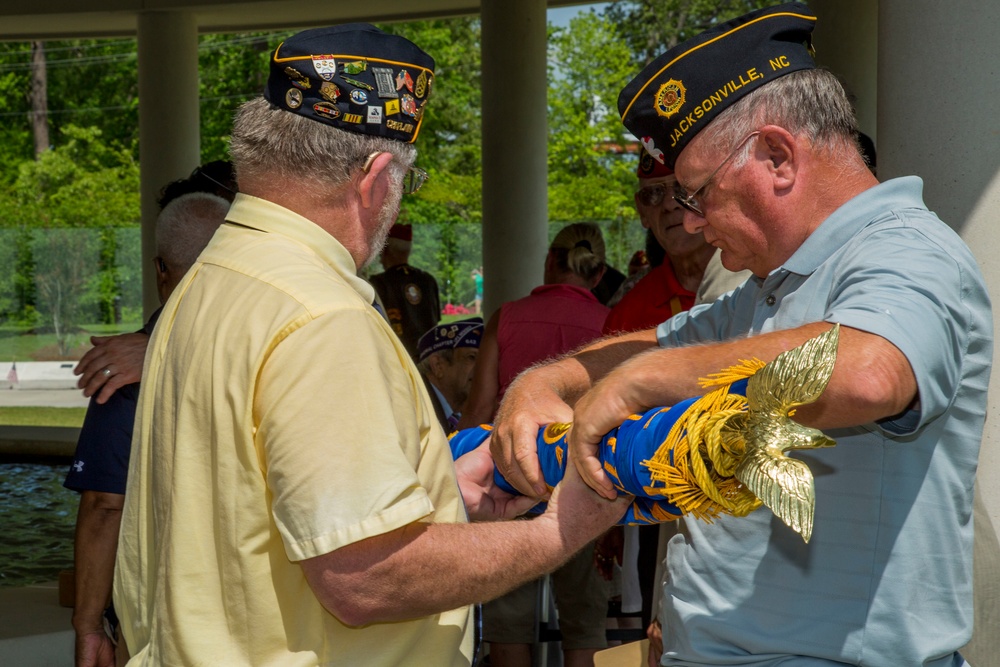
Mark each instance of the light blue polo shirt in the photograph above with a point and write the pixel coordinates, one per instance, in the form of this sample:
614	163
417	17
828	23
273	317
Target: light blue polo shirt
887	576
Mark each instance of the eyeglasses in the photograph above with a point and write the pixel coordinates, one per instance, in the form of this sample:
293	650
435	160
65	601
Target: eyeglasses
652	195
413	179
201	173
690	201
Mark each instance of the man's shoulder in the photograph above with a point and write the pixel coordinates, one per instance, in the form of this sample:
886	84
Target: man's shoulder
654	284
413	273
273	262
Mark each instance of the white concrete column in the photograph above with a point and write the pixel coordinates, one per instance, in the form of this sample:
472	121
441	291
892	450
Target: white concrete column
515	136
846	43
169	130
937	118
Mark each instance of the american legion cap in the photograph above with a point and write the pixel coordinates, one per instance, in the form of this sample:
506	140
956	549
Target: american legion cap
680	92
463	333
650	168
354	77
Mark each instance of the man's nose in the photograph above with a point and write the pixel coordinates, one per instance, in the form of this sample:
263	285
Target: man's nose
693	223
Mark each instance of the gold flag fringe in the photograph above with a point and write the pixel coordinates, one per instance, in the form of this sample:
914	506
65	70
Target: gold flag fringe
696	462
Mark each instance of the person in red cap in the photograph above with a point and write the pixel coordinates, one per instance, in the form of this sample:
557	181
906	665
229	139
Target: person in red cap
408	294
676	284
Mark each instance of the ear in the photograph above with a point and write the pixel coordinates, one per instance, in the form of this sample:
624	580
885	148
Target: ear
435	363
163	284
367	181
782	155
638	207
161	268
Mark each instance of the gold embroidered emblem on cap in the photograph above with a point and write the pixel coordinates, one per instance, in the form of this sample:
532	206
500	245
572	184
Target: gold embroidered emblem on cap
670	98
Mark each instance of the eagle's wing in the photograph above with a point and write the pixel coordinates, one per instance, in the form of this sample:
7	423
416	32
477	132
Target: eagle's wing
795	377
784	484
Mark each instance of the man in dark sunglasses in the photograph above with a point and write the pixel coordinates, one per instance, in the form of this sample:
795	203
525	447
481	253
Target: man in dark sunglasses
690	272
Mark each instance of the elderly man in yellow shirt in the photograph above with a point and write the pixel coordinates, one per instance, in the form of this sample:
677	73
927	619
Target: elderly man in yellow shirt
291	499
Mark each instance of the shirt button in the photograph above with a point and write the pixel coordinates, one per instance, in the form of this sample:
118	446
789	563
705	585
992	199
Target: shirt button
770	300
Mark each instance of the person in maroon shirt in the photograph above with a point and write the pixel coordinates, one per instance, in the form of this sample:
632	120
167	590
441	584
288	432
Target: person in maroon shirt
557	317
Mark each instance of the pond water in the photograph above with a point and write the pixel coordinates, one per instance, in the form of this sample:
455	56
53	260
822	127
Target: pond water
37	519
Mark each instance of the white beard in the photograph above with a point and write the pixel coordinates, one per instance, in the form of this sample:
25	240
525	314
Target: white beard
385	218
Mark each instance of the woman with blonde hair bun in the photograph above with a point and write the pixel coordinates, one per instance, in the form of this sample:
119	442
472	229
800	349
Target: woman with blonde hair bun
557	317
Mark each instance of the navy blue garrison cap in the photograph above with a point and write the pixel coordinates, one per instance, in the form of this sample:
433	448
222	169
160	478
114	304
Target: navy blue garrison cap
354	77
463	333
680	92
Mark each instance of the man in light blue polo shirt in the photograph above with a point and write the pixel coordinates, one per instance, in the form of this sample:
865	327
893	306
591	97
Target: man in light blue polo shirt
764	148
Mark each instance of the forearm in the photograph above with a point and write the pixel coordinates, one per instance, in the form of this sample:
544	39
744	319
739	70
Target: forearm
871	380
424	569
97	525
573	375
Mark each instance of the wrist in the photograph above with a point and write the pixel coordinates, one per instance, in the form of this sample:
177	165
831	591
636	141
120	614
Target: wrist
88	622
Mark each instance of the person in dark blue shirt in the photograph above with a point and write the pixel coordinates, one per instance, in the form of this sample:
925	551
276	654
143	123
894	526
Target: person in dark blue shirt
100	464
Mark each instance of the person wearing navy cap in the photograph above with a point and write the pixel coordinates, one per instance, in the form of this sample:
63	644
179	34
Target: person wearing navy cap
446	358
291	499
764	148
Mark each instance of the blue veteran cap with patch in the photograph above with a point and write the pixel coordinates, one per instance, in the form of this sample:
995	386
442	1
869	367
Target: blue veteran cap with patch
354	77
463	333
678	94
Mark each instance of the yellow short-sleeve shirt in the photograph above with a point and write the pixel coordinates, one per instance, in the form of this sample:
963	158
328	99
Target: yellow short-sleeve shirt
279	419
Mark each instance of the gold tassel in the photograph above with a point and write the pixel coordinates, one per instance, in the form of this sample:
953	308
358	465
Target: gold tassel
700	479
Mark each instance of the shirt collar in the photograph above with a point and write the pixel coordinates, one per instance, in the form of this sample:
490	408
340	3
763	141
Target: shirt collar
852	217
271	218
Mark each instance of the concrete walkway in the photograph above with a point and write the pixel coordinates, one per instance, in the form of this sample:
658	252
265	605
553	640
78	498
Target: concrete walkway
35	631
55	398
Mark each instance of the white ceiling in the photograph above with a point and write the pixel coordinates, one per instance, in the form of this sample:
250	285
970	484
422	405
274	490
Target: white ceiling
61	19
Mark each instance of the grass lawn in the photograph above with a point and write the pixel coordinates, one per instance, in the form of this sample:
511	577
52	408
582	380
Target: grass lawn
17	345
40	416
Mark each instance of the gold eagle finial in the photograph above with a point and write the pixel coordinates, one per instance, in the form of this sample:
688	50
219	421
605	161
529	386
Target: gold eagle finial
794	378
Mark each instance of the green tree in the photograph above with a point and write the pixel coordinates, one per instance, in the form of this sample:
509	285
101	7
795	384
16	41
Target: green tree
84	183
591	158
650	27
15	128
447	211
232	68
66	267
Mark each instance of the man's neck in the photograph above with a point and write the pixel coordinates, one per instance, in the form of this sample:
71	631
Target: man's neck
689	268
335	212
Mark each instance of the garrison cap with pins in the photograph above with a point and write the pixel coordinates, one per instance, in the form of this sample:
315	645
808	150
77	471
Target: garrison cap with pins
679	93
354	77
463	333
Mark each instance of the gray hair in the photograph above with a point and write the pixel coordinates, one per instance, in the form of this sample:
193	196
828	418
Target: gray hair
811	102
269	141
186	225
424	365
